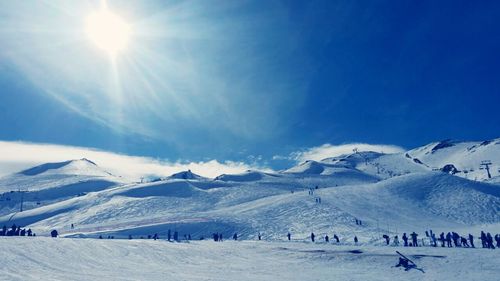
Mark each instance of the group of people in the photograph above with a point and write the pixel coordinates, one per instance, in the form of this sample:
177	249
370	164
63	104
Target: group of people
451	239
16	231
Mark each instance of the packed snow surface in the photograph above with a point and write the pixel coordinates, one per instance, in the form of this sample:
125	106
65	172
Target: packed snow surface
92	259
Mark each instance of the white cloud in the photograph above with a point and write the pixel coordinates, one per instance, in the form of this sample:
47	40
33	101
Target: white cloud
16	156
329	150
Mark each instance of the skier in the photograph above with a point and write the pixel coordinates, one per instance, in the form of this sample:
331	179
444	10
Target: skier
405	240
235	237
260	237
289	236
312	236
327	239
169	235
406	263
356	240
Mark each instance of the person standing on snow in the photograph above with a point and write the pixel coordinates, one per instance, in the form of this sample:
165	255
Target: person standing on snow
414	239
405	240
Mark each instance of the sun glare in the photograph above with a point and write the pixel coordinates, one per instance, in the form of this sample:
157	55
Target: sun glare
108	31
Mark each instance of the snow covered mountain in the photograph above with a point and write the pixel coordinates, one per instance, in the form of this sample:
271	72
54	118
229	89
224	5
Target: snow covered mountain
52	182
390	193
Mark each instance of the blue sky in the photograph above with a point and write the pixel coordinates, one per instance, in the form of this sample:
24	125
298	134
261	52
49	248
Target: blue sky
235	80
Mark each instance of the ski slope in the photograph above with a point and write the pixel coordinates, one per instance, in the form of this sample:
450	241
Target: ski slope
93	259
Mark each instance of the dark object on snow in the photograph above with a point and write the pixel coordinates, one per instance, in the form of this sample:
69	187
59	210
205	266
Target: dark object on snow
416	160
169	235
260	237
356	239
327	239
414	239
387	239
449	169
289	236
235	237
54	233
405	240
406	263
176	236
336	238
312	236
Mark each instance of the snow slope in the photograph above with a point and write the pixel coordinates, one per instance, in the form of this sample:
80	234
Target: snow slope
465	156
91	259
52	182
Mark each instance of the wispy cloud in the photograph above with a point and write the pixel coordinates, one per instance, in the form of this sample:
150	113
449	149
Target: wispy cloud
16	156
330	150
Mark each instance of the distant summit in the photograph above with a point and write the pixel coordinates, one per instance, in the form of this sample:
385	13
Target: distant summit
186	175
71	165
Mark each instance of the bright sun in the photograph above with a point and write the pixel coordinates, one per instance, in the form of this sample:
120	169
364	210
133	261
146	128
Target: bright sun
108	31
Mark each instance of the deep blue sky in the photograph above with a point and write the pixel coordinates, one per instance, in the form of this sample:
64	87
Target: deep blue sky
231	79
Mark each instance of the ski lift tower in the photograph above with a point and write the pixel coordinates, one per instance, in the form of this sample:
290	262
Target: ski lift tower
485	165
